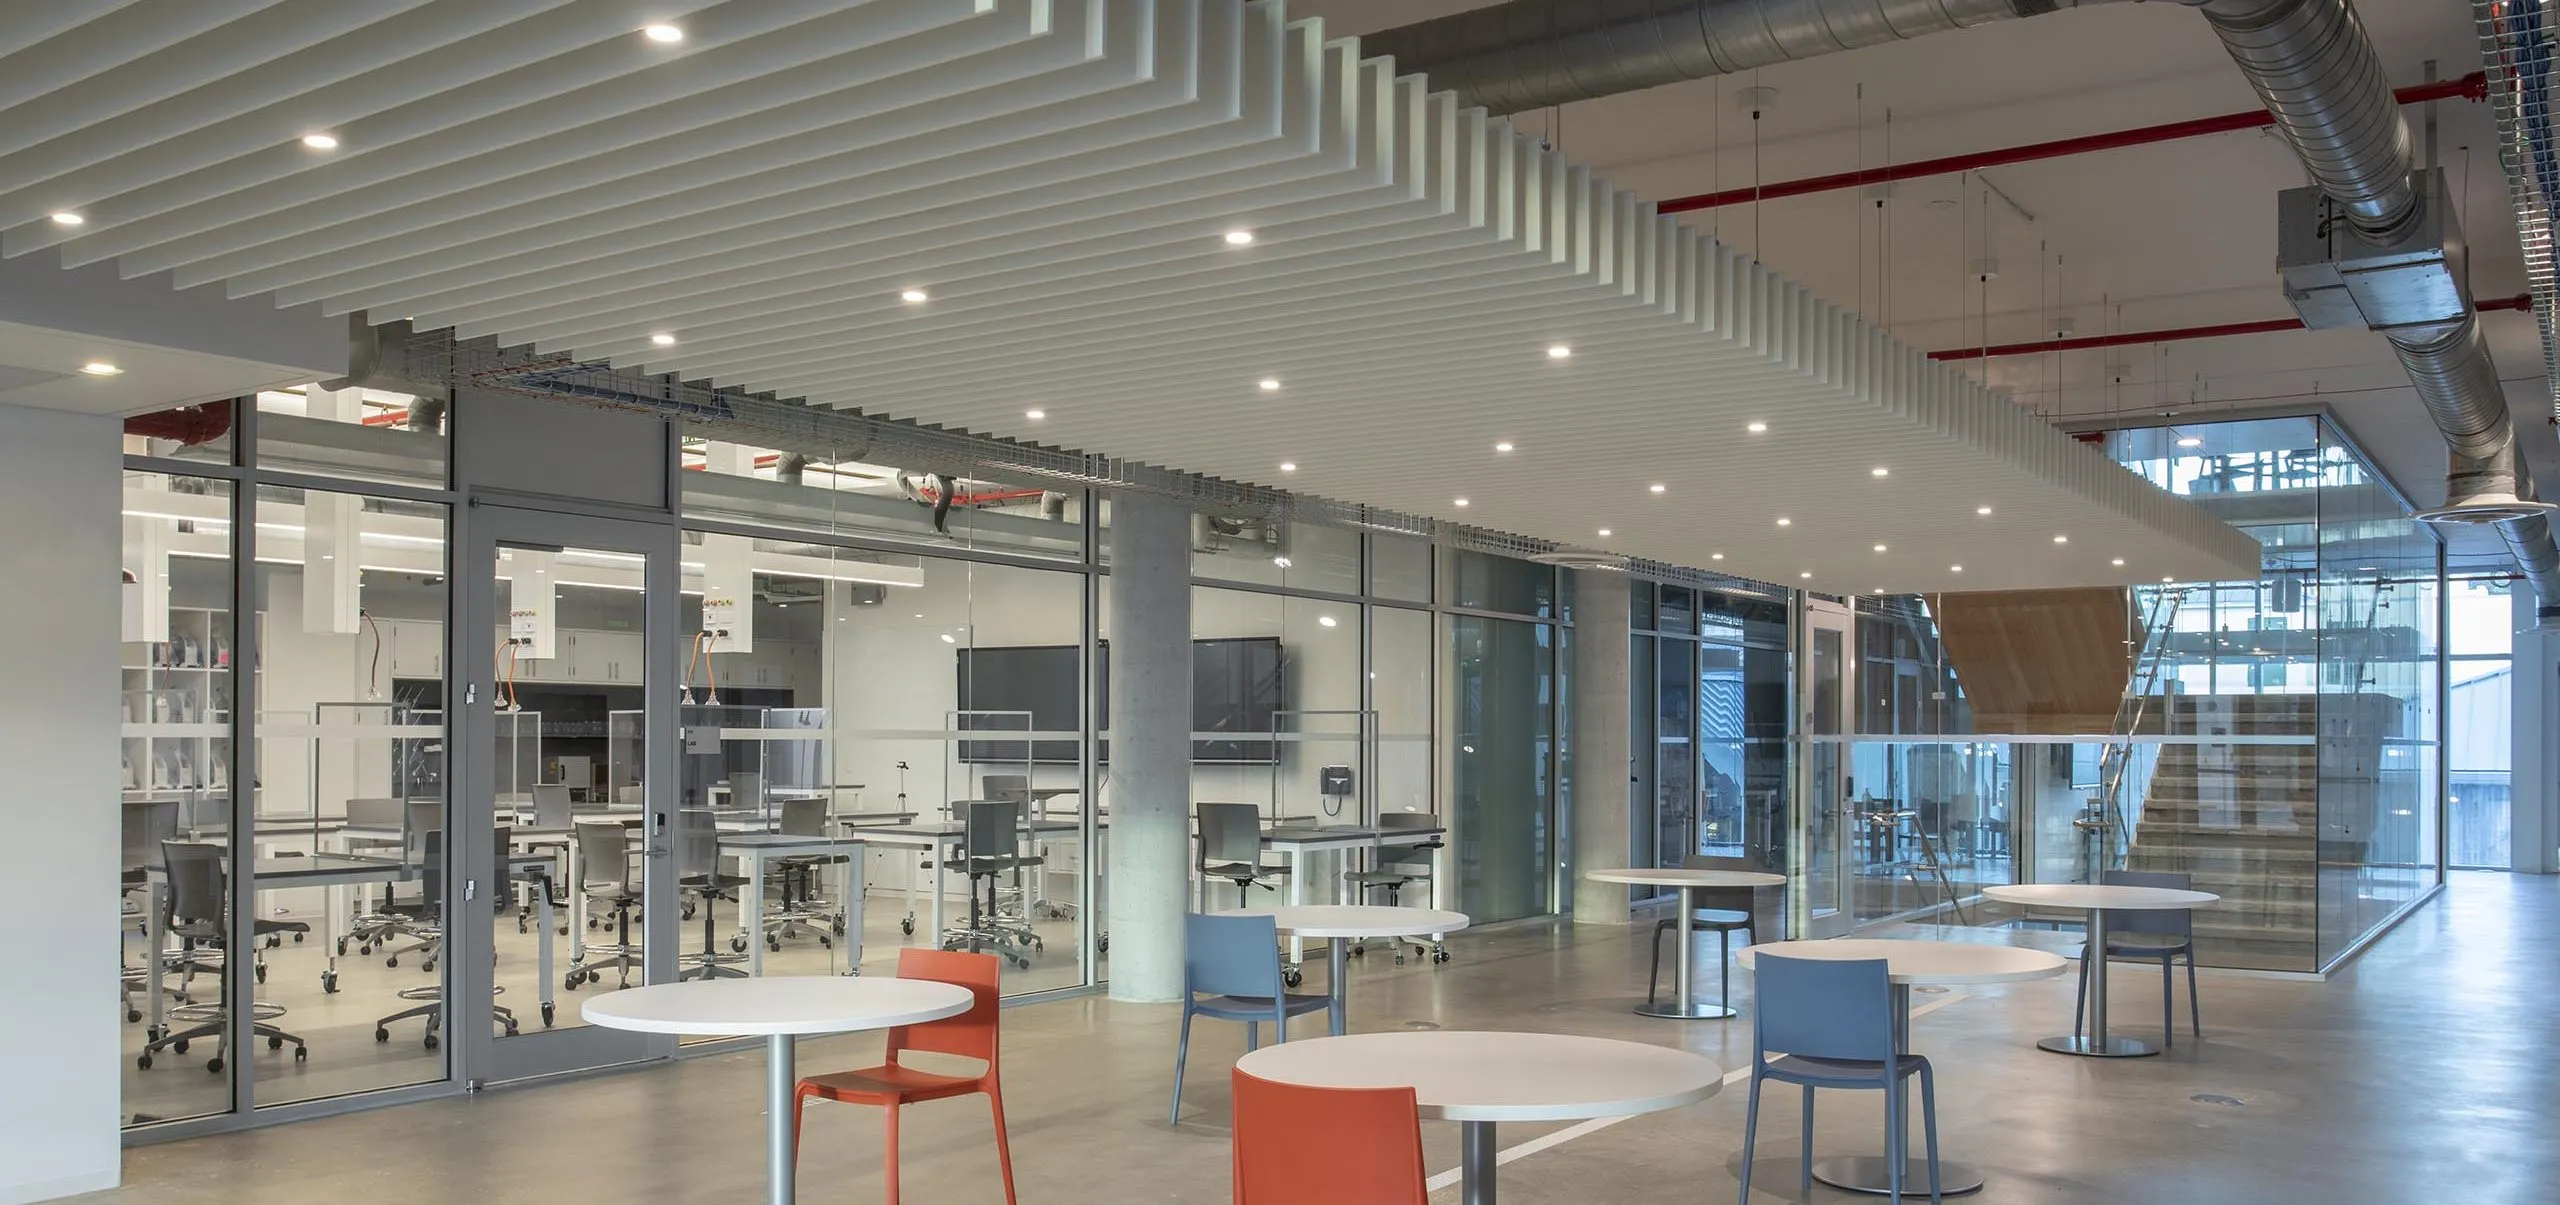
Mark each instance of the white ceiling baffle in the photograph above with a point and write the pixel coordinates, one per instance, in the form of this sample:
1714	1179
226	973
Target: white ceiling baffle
1191	233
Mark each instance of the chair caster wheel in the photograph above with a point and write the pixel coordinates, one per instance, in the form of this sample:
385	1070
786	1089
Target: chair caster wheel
381	1034
143	1061
1439	956
132	1015
431	1041
275	1043
392	961
302	1054
1102	944
213	1065
342	947
365	949
429	966
329	983
180	1046
737	945
774	945
297	939
1293	977
1363	952
261	972
908	926
547	1012
825	942
1021	963
511	1029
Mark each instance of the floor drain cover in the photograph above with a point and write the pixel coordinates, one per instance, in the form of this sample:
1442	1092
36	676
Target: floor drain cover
1422	1025
2216	1098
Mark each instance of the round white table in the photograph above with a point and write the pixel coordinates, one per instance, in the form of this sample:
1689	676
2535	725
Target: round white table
1344	923
1912	964
781	1011
2098	900
1686	1005
1481	1079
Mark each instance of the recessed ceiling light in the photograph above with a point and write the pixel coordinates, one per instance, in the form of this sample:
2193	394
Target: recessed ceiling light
1270	384
2364	569
1656	487
68	218
1327	620
100	368
1288	466
1281	561
2168	579
915	296
1879	547
1462	502
1982	510
1955	568
2190	442
320	142
1879	471
1804	575
1715	556
1239	238
1756	428
663	33
1784	521
2061	539
1504	446
1559	352
1604	533
946	639
663	340
1035	415
2118	561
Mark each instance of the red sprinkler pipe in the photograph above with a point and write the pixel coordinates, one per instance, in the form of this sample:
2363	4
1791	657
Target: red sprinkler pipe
2521	301
2473	87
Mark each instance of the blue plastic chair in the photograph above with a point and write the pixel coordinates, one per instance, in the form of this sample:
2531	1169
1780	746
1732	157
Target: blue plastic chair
1833	1022
1234	961
2147	933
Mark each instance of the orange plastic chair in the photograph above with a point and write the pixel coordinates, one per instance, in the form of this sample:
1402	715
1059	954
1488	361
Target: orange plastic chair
1342	1146
969	1035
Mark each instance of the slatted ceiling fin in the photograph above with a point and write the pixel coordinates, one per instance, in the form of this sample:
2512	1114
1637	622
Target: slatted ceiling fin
109	41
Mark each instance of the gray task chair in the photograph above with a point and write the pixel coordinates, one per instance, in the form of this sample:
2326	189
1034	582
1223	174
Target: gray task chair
429	998
1231	849
606	877
698	871
1401	862
1833	1026
990	849
2145	934
802	903
196	910
1723	911
1234	961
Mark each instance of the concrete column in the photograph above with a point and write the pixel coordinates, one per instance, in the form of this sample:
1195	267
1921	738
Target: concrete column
2534	814
1150	864
1603	829
60	482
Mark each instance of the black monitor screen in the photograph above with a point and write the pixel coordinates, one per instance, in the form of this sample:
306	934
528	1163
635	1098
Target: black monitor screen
1235	687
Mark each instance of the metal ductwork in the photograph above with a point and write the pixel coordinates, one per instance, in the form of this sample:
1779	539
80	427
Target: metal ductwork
1529	54
2373	243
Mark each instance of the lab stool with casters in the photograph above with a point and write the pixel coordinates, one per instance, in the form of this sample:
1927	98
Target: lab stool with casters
196	910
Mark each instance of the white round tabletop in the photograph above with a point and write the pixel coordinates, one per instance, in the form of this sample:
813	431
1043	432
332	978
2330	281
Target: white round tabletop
1921	963
1356	920
1682	876
799	1005
2110	896
1462	1076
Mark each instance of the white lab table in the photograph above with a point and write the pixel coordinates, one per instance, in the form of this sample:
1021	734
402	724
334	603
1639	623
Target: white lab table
940	839
1344	923
1910	964
1294	841
1685	1004
781	1011
1481	1079
755	849
2098	899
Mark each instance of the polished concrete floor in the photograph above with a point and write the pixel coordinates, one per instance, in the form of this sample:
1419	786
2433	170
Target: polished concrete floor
2420	1074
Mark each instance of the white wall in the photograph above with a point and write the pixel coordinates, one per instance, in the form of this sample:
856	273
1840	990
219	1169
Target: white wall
60	486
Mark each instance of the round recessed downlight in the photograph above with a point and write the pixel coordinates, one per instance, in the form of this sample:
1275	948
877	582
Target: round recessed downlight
1504	446
1239	238
1559	352
1879	471
2190	442
914	296
1462	502
1656	488
1955	568
1604	533
2061	539
1879	547
1035	415
1288	466
663	33
663	340
1982	510
68	218
1327	620
101	368
1757	428
2118	562
1784	521
1805	575
320	142
1270	384
1715	556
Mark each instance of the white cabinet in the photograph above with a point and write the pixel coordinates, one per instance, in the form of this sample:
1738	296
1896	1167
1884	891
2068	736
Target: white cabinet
414	647
601	657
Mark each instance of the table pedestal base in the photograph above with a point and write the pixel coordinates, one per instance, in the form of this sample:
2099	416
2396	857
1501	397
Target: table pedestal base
1872	1174
1701	1010
1477	1158
2099	1048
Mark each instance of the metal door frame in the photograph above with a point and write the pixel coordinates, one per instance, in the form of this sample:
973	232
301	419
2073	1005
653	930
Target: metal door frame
481	1058
1813	738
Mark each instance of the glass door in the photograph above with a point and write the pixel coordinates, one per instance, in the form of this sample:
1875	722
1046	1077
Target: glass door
1823	792
565	683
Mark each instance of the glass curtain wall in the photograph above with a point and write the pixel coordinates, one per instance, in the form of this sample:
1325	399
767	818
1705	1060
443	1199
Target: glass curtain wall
1709	724
314	673
1502	706
2479	722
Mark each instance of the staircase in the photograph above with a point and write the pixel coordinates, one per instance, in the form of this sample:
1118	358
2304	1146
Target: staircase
2040	661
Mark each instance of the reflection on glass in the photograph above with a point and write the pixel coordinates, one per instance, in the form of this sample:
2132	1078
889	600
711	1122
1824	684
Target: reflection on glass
351	788
364	434
200	433
1928	827
179	681
1400	567
1501	715
838	492
1294	556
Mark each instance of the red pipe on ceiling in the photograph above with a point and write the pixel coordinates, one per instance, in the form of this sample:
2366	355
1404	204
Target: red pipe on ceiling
2521	301
2473	87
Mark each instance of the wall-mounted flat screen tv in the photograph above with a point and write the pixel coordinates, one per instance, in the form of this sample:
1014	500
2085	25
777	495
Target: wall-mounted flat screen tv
1235	687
